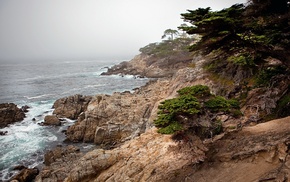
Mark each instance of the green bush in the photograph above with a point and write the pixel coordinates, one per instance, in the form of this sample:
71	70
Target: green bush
190	103
197	91
172	128
242	60
219	103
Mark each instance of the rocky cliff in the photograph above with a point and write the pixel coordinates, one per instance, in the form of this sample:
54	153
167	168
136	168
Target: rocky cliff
122	123
130	149
256	153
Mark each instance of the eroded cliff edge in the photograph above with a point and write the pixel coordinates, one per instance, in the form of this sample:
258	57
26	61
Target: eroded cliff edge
133	150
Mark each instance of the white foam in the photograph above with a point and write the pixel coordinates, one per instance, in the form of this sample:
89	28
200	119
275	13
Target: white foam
39	96
26	137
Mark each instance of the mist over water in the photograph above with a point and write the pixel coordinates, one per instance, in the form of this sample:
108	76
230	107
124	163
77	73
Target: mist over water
35	81
38	85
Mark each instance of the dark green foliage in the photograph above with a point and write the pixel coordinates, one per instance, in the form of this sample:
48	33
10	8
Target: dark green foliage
171	128
217	28
257	29
265	75
198	91
219	103
242	60
193	102
166	47
185	103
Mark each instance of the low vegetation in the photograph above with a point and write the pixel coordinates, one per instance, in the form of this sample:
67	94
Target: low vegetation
191	108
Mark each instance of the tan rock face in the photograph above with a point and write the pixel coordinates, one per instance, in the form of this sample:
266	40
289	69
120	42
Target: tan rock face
150	157
71	107
51	120
257	153
114	118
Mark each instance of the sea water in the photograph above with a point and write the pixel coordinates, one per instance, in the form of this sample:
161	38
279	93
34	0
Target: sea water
38	85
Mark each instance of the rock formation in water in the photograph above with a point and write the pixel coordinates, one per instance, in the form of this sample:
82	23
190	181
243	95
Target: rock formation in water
51	120
10	113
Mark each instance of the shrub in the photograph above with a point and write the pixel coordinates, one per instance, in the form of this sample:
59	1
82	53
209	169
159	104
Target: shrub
191	104
242	60
219	103
197	90
172	128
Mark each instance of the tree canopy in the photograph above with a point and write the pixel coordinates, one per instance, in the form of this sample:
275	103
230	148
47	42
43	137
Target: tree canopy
260	28
171	33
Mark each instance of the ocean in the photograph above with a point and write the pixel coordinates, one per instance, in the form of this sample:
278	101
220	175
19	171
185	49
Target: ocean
38	85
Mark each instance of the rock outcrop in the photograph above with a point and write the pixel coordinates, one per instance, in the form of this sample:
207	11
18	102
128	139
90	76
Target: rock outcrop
70	107
232	156
10	113
51	120
111	119
134	151
25	175
256	153
149	157
151	66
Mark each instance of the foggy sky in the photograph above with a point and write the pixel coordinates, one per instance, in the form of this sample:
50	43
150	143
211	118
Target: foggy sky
88	29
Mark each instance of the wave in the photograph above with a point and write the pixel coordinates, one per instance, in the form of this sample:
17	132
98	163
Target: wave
39	96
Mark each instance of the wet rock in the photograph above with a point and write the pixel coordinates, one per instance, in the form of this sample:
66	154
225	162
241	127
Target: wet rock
25	108
10	113
26	175
20	167
70	107
51	120
3	133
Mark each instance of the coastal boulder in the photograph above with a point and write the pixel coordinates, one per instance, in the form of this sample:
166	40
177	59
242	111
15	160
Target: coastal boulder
70	107
10	113
26	175
51	120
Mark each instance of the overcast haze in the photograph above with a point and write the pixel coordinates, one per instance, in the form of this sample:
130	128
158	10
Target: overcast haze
88	29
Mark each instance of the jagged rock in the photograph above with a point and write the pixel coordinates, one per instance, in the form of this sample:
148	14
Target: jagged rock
19	167
3	133
262	101
70	107
256	153
52	155
110	119
10	113
149	157
51	120
25	108
59	162
26	175
151	66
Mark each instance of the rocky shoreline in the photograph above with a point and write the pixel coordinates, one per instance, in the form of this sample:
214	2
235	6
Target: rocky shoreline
132	150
